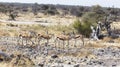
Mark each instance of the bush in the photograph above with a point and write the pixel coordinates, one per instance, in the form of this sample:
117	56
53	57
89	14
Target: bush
13	15
51	12
90	17
93	17
82	28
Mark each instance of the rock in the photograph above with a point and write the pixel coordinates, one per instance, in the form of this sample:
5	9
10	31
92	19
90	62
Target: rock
100	63
22	60
89	63
86	56
84	60
4	57
57	65
69	62
54	56
102	50
111	41
41	65
114	65
77	65
12	56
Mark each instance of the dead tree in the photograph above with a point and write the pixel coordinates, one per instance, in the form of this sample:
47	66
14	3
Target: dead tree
94	34
35	8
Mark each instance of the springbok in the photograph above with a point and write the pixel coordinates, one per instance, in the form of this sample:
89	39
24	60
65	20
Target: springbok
76	37
63	38
22	37
46	36
27	36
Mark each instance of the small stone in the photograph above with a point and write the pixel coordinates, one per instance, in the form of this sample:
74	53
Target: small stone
114	65
77	65
54	56
111	41
89	63
86	56
4	57
41	65
100	63
69	62
102	50
94	62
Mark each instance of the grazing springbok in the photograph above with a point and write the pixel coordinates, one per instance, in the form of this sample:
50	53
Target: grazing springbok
46	36
22	36
27	36
63	38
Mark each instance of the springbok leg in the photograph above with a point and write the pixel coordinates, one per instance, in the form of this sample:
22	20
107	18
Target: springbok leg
75	43
22	41
47	45
39	44
47	41
55	45
36	39
63	44
59	45
18	40
39	41
26	41
82	40
31	41
68	45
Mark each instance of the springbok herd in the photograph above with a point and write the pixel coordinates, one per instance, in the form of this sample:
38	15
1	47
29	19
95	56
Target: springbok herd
33	38
63	40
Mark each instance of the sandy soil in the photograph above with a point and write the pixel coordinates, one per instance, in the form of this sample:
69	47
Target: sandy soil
102	53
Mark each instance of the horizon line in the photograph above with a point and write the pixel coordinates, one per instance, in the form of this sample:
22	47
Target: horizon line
62	4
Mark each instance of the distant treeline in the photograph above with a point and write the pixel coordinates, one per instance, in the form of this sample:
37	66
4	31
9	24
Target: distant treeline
62	10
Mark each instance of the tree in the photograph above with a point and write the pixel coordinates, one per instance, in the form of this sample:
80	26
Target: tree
35	9
44	7
13	15
76	12
52	10
92	17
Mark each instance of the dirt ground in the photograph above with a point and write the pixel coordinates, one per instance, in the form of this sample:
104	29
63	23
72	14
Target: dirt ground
102	53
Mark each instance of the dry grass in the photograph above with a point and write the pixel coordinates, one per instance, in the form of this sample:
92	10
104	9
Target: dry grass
7	30
59	28
13	31
6	65
94	45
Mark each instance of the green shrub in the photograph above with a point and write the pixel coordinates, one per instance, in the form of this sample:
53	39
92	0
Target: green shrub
88	19
82	28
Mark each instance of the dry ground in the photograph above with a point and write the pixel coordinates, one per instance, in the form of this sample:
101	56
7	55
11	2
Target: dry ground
7	28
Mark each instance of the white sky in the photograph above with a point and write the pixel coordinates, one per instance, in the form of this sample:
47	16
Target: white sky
105	3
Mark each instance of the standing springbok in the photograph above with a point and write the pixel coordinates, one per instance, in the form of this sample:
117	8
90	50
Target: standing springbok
46	37
76	37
